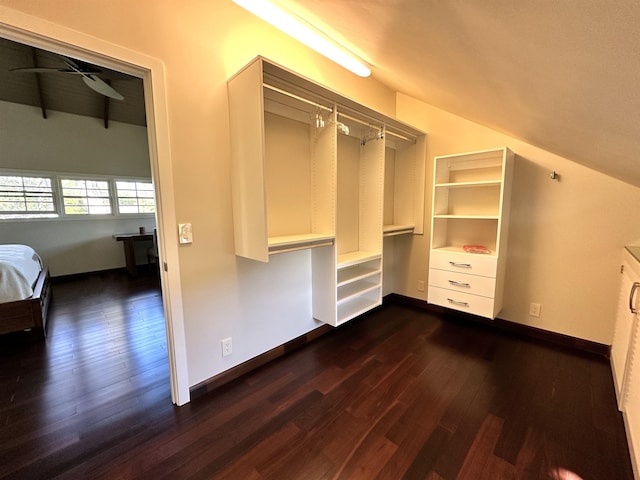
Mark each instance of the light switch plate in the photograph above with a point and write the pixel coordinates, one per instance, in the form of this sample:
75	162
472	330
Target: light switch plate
184	233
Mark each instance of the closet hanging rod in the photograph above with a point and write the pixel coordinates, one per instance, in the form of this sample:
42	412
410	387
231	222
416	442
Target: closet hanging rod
296	97
361	122
375	124
295	248
402	137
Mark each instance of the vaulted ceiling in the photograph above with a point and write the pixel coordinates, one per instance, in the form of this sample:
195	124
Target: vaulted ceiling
62	92
560	75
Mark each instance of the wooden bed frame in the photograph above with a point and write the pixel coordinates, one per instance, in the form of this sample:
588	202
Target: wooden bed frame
31	313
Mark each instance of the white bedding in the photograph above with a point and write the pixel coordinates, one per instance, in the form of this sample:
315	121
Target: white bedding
20	266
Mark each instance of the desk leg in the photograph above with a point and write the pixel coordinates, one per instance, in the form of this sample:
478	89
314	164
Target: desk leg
130	257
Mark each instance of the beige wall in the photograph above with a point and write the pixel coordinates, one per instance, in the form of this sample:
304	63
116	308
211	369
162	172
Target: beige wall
201	44
565	237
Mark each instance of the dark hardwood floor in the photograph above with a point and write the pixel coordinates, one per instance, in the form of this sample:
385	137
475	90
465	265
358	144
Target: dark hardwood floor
398	394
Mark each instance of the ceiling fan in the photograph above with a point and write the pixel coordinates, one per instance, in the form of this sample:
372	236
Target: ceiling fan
89	76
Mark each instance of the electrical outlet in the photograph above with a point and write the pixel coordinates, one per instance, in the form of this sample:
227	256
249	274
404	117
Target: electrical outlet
226	347
421	285
534	309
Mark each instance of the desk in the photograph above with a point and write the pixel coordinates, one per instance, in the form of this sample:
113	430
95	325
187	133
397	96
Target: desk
128	240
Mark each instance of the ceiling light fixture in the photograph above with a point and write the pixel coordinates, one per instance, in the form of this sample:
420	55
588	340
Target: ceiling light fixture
305	33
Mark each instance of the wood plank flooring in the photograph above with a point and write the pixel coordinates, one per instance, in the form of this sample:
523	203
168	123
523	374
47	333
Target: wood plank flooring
397	394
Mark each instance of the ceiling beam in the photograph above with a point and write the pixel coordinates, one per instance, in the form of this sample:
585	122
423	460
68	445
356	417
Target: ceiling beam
38	85
107	104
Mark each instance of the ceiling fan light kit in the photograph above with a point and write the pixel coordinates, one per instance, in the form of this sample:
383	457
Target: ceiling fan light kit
305	33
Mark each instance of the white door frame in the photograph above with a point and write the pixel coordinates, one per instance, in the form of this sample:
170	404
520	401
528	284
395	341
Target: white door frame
23	28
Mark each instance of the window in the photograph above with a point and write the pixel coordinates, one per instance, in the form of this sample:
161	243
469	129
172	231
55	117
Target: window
85	197
26	197
43	195
135	197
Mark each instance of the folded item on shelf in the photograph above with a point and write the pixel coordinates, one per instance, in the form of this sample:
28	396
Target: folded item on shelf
475	249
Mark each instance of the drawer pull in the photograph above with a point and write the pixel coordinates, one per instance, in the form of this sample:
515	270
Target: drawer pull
460	265
634	287
457	302
459	284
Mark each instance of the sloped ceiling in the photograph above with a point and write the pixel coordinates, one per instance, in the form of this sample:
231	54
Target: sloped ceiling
560	75
64	92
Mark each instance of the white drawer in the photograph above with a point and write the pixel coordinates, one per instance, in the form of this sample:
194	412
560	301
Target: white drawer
462	282
472	263
464	302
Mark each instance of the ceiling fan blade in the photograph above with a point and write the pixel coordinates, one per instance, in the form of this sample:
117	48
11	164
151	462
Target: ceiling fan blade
101	87
41	70
69	62
52	70
75	68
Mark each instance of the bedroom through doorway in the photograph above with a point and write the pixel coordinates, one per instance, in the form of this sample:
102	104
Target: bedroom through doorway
127	296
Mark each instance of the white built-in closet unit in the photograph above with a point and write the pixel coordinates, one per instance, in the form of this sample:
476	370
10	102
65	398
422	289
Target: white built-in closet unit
312	169
471	203
625	351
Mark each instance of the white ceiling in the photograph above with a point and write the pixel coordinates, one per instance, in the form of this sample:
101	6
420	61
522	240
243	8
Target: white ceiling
563	75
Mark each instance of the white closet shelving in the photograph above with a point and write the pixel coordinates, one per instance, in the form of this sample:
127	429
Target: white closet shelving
625	351
626	319
471	196
403	183
312	169
359	218
631	406
284	166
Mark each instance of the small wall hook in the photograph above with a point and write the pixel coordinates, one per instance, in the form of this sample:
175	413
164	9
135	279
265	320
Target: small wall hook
554	175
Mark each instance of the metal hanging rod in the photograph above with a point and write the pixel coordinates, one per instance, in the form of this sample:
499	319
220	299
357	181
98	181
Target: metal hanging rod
360	121
374	123
296	97
294	248
402	137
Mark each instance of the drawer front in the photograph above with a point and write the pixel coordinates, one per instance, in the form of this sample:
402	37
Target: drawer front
464	302
462	282
475	264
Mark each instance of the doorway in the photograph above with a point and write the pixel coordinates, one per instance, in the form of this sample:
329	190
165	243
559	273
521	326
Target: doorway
28	30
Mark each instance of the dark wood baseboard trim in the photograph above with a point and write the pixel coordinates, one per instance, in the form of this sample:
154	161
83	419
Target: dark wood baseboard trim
235	372
546	336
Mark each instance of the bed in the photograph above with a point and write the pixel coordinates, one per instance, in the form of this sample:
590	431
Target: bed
25	290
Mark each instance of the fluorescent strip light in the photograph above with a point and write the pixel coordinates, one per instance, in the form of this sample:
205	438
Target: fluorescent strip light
305	33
